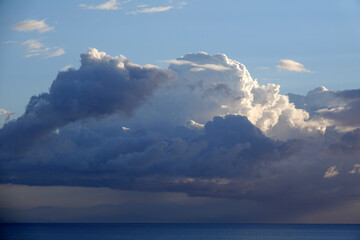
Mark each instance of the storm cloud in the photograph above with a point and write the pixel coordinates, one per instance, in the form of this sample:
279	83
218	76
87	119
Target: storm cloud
103	85
213	132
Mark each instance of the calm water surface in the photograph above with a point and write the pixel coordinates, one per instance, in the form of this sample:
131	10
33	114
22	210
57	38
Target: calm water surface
91	231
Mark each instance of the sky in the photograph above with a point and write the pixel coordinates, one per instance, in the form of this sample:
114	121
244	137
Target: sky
179	111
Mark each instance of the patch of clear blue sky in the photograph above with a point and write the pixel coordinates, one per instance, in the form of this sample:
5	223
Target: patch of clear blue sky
323	35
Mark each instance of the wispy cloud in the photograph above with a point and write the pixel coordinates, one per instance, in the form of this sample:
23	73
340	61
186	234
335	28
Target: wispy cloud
65	68
198	67
57	52
32	44
151	9
145	8
35	47
263	68
32	25
142	5
9	42
291	65
109	5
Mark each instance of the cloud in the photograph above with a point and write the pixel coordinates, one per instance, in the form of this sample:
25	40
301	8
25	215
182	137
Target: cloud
338	109
214	133
151	9
9	42
231	85
58	52
263	68
198	67
66	68
145	8
331	172
291	65
356	169
6	116
101	86
32	25
109	5
33	44
34	47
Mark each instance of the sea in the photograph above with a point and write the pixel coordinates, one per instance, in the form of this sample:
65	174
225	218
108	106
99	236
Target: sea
178	231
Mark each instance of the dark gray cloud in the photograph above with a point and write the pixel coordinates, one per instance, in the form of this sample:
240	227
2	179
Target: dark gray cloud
229	159
102	85
125	158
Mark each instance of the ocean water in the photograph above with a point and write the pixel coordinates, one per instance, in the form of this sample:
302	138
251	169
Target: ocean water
105	231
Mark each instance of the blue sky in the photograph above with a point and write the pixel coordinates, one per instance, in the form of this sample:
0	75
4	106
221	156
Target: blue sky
116	110
322	35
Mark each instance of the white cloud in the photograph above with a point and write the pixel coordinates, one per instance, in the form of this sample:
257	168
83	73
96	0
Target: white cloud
35	47
9	42
32	25
198	67
191	124
4	116
32	44
145	8
356	168
5	113
331	172
109	5
291	65
58	52
207	83
181	4
65	68
263	68
152	10
142	5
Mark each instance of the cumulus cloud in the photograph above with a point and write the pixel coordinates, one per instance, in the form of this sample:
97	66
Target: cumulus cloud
208	83
338	109
103	85
291	65
33	25
109	5
214	132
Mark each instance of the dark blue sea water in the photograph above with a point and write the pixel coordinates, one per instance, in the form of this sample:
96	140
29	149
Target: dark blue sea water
80	231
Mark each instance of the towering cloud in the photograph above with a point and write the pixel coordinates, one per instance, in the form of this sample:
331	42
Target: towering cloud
102	85
216	86
213	132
